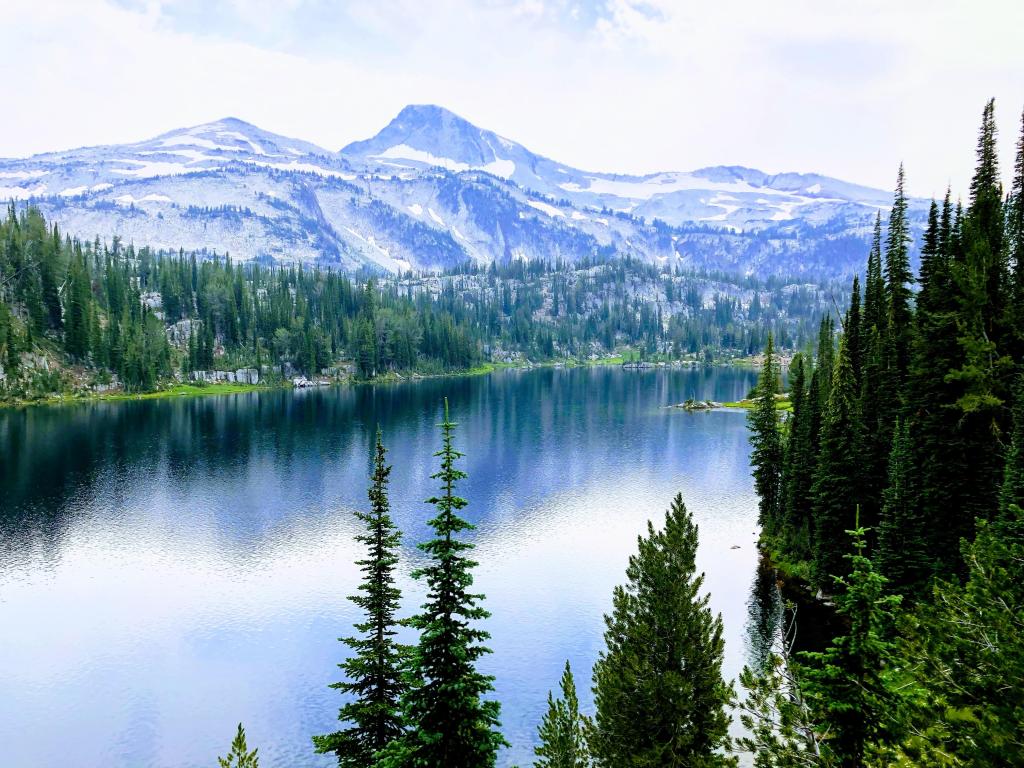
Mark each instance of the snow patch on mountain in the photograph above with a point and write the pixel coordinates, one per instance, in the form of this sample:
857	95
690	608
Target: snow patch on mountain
432	190
550	210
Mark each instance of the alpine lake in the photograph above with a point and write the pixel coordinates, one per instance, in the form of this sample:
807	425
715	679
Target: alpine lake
171	567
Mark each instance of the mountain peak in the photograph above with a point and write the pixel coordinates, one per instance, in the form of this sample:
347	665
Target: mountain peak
232	134
427	134
428	112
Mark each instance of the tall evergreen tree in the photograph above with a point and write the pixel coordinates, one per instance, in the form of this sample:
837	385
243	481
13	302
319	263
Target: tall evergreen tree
875	311
374	671
453	725
876	393
800	460
853	328
562	732
984	376
903	538
837	480
898	276
1012	491
658	690
766	442
1015	242
937	455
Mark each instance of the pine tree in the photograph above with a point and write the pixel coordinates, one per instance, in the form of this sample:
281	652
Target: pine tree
1015	243
239	756
837	485
898	279
1012	491
78	312
374	671
850	686
562	732
852	332
766	443
903	537
984	373
972	648
658	690
453	725
825	360
875	311
936	451
800	459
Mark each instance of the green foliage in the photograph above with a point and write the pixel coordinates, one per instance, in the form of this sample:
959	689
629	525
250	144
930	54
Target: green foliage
658	690
971	643
374	672
89	300
903	536
837	479
766	442
563	730
851	686
1012	491
239	756
898	278
454	725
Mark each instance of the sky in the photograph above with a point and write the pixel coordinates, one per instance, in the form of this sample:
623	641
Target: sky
848	89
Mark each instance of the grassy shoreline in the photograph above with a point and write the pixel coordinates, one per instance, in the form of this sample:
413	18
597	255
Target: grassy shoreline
177	390
200	389
781	404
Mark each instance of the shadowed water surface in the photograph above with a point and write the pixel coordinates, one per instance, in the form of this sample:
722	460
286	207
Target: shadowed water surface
172	567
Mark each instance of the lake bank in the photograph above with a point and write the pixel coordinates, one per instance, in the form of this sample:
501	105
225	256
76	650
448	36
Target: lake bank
199	389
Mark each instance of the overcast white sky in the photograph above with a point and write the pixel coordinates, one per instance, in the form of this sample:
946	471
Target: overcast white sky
846	88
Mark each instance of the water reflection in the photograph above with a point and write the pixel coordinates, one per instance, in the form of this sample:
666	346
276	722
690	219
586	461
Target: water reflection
172	567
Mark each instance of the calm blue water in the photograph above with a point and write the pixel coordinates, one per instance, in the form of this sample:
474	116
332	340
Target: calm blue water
168	568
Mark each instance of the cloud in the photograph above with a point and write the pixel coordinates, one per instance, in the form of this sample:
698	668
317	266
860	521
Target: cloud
845	89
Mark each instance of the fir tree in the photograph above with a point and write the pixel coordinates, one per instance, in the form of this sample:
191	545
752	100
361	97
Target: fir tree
453	725
850	686
837	480
658	690
374	671
1012	491
875	311
852	331
766	442
972	647
562	732
984	373
1015	241
800	459
903	539
898	278
936	452
239	756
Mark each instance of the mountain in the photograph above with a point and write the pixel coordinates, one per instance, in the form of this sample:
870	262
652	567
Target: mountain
432	190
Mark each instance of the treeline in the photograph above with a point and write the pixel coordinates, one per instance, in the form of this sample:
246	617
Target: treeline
144	317
909	433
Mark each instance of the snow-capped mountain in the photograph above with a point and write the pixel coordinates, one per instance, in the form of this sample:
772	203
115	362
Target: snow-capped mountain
432	190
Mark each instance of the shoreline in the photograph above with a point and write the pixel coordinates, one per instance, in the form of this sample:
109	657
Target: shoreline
202	389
